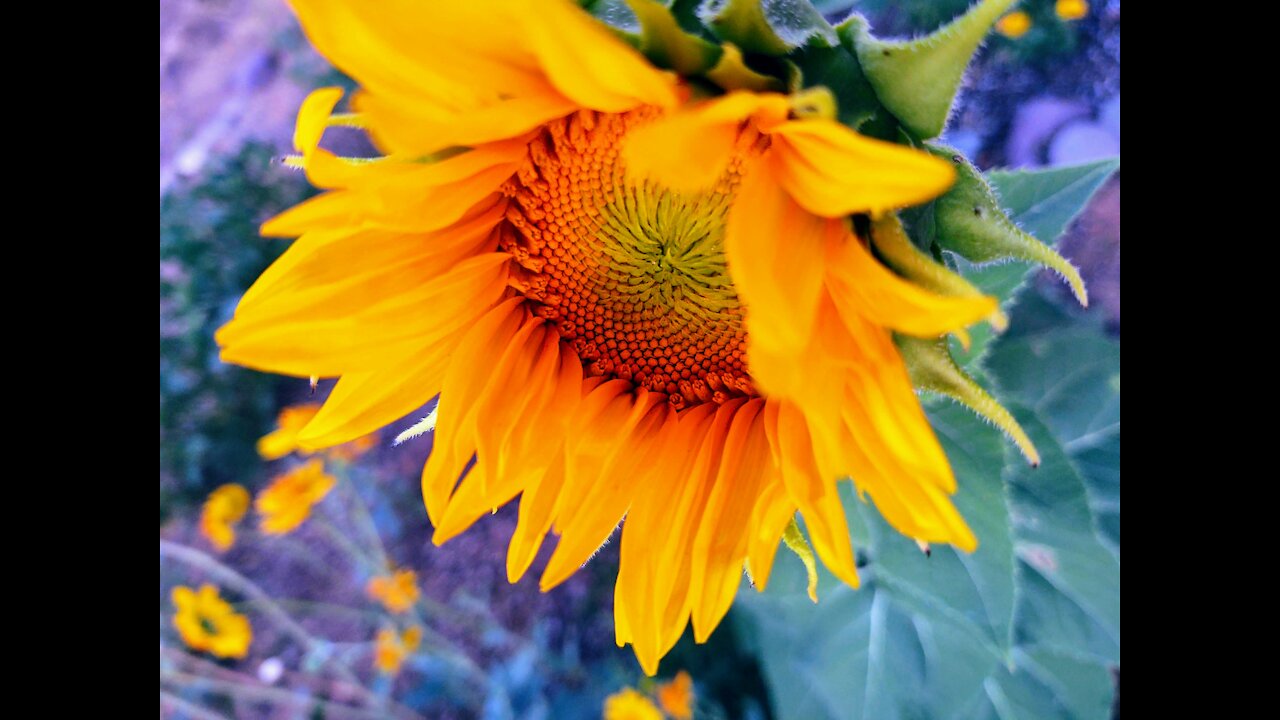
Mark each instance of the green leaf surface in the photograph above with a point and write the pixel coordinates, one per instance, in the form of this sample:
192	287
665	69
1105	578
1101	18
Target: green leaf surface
1068	372
1068	580
1044	202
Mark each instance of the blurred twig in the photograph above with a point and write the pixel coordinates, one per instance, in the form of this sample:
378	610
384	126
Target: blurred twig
189	708
363	518
205	669
256	693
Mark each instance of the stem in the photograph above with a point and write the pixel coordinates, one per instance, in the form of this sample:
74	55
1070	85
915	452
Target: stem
188	708
364	519
275	696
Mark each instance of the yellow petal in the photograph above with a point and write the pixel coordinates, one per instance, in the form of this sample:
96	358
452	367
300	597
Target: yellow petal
859	284
606	460
446	54
689	149
812	490
406	196
313	118
350	327
901	466
775	254
833	171
651	539
361	403
496	411
335	256
455	431
723	531
324	211
674	578
589	64
537	512
403	131
773	511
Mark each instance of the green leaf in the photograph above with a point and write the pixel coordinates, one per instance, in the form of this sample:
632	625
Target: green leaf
1045	201
1098	459
1068	581
1068	371
918	79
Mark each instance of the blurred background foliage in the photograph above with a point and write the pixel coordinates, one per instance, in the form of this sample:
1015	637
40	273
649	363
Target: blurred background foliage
210	413
1026	627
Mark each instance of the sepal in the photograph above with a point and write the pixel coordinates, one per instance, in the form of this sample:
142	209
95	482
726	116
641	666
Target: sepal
917	80
968	221
931	368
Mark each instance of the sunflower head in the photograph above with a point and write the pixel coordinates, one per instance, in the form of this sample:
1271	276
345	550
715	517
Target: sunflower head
679	270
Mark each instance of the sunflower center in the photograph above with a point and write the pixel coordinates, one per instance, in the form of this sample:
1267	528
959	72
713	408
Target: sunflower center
630	272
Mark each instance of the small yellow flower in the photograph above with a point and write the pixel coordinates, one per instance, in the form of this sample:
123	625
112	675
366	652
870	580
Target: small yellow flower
1071	9
208	623
390	650
397	592
1014	25
284	439
287	502
676	697
630	705
354	449
222	510
289	424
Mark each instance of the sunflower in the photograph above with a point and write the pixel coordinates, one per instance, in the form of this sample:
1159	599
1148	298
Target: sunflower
634	297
